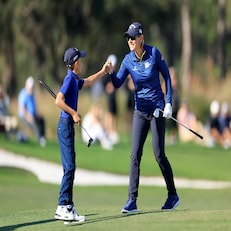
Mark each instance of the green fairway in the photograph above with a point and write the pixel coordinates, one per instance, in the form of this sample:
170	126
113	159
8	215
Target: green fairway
27	204
110	220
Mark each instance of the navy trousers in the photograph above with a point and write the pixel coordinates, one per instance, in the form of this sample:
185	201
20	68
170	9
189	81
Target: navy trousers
66	136
141	125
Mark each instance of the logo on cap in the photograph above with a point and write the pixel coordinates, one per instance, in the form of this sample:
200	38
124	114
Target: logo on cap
134	29
132	26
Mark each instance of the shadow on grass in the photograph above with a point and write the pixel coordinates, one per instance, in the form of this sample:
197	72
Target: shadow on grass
106	218
17	226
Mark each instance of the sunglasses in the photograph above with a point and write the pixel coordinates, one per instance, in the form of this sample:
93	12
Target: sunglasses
131	37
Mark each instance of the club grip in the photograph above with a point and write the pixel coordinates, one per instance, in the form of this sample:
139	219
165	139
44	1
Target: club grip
200	136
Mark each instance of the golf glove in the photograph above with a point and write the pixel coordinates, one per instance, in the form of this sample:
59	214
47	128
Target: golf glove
156	113
167	111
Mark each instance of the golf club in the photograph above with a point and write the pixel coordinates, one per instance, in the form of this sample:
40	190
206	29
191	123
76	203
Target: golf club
195	133
54	96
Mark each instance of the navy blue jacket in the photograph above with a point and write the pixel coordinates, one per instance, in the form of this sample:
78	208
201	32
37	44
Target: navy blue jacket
145	75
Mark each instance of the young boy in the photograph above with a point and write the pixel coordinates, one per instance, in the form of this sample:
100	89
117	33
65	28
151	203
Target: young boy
67	101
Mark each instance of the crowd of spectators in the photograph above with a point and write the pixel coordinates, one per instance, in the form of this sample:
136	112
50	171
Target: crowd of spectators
101	122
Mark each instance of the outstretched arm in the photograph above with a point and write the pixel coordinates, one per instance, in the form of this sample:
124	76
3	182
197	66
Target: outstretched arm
119	77
89	81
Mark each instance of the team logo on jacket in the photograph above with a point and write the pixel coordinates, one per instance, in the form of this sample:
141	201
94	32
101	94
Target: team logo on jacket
147	65
135	68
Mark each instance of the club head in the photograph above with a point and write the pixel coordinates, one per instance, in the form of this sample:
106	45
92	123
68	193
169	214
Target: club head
90	142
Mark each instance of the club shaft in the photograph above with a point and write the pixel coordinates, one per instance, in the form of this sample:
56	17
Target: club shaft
47	88
194	132
180	123
85	131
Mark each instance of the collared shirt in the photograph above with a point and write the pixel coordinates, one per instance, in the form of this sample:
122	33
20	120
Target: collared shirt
145	75
27	101
70	88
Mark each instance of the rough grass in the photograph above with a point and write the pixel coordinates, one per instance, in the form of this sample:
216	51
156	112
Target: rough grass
188	160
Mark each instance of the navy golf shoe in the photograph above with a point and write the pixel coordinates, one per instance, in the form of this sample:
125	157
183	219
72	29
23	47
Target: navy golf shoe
130	206
171	203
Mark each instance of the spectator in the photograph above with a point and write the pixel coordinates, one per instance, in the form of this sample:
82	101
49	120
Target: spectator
224	120
27	111
112	113
97	91
188	118
4	102
93	123
213	124
8	123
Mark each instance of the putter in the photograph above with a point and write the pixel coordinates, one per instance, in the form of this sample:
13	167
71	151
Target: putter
195	133
42	82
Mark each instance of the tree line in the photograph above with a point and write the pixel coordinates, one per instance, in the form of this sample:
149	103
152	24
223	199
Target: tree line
34	35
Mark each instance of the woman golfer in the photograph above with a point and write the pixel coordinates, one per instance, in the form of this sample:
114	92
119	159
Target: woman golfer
144	63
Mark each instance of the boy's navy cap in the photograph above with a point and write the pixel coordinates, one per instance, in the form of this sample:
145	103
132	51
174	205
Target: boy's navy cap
72	54
134	30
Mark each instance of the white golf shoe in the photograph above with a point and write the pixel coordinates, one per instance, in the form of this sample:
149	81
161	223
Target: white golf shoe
68	213
77	217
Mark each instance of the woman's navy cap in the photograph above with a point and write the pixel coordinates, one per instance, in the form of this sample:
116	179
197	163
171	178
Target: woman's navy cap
134	30
72	54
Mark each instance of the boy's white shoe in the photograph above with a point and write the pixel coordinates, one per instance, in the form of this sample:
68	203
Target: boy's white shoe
64	212
68	213
78	217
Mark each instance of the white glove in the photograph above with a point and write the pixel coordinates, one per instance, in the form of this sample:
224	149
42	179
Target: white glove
167	111
156	113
